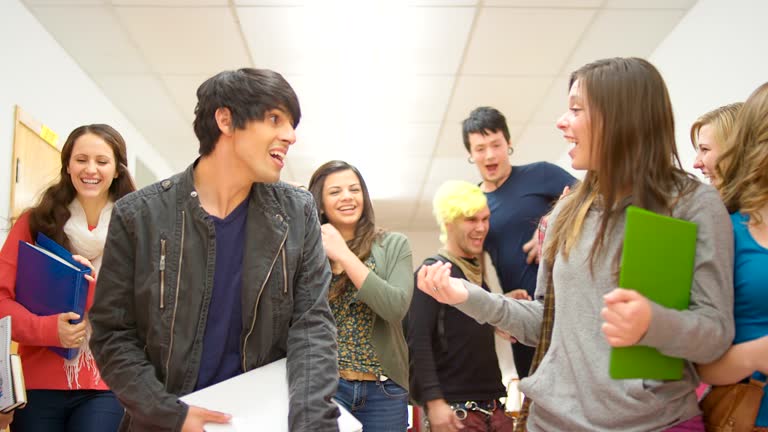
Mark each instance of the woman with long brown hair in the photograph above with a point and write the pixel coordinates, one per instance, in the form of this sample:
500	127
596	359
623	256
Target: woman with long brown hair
369	295
743	169
67	395
620	124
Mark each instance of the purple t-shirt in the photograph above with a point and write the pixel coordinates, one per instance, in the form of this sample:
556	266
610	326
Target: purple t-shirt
221	342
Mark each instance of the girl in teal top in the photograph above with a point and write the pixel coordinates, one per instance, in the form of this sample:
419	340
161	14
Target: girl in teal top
744	172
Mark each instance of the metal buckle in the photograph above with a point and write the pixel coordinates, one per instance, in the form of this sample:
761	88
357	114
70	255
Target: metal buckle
460	413
472	405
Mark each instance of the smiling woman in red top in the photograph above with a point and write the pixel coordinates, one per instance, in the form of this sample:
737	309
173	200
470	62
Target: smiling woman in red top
75	212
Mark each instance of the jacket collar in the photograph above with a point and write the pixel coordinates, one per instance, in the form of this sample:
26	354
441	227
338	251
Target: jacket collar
263	196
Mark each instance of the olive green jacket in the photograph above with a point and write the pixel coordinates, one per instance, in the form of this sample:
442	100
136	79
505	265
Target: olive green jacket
388	291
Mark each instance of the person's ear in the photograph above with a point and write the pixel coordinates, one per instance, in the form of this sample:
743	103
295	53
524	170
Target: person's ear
224	120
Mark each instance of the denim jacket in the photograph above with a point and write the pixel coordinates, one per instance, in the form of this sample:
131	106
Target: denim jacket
154	290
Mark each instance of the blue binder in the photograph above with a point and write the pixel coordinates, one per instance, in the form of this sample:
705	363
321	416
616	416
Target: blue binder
49	282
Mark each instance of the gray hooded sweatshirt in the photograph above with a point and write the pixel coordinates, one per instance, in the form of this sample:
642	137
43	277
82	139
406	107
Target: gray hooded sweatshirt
571	390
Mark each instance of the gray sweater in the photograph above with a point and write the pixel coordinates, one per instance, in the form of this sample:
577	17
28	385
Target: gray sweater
571	389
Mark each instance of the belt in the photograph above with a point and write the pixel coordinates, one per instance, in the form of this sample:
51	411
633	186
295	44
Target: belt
361	376
486	407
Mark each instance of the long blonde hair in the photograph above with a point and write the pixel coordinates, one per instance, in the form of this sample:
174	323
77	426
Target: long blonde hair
633	132
744	166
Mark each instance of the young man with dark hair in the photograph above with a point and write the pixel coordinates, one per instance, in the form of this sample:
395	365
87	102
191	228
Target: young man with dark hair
518	197
454	369
218	270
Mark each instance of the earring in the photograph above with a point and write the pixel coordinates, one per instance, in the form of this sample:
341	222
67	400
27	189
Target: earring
470	160
510	150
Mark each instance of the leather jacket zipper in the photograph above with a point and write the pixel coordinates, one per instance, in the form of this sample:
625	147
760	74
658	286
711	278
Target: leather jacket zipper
162	273
258	297
285	273
176	297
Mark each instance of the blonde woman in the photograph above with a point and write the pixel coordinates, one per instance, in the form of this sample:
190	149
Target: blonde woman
709	135
744	172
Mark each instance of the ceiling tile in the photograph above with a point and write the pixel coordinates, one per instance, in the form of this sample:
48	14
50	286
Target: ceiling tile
513	41
448	168
649	4
63	2
515	97
270	2
104	48
545	3
425	98
554	104
270	45
183	92
387	176
539	143
203	40
434	3
184	3
641	32
159	121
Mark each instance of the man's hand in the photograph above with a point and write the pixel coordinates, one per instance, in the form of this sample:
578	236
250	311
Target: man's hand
504	335
627	316
441	417
435	280
533	249
197	418
518	294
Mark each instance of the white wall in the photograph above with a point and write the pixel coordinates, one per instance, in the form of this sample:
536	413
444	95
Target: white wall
715	56
39	76
423	244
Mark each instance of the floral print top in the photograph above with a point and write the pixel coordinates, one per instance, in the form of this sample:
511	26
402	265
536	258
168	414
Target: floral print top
354	323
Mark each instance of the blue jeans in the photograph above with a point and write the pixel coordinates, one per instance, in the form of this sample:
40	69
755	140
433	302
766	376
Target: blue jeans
68	411
381	406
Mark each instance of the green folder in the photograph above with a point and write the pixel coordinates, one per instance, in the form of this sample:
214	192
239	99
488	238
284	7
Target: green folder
657	261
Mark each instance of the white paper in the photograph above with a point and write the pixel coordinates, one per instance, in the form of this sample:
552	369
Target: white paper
257	400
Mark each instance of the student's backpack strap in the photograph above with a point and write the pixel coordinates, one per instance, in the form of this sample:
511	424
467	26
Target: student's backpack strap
441	312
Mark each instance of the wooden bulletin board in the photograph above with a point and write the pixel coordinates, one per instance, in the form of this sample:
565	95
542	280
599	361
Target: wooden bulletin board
36	161
35	165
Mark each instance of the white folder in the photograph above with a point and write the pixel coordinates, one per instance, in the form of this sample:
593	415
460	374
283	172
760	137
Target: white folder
257	401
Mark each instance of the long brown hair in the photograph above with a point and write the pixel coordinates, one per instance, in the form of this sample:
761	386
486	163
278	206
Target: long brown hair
633	135
744	166
52	212
366	232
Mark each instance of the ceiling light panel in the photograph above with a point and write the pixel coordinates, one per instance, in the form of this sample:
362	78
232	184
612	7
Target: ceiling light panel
514	96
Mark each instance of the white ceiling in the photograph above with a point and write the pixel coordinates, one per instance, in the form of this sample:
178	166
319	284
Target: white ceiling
382	84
